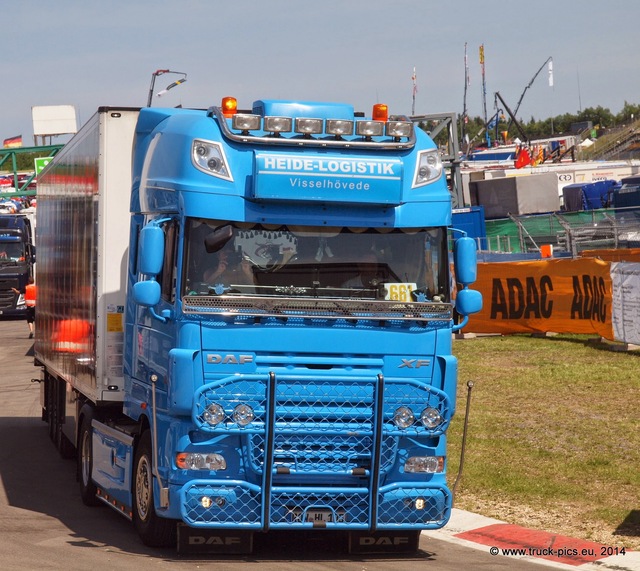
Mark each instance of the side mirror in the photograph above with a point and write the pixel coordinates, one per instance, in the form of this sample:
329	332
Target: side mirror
146	293
151	250
465	260
468	301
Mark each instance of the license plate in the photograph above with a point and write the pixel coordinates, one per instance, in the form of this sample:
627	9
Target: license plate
319	515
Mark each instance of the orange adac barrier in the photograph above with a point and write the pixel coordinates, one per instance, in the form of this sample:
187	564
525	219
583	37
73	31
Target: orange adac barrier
555	295
617	255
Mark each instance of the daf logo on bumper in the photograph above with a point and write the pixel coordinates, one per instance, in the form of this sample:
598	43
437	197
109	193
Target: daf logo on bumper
229	359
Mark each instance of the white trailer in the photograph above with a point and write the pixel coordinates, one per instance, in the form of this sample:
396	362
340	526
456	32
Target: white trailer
82	246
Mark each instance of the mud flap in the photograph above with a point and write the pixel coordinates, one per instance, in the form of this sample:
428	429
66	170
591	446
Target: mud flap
197	540
384	541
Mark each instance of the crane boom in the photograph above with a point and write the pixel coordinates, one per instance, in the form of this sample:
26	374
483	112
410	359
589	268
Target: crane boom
525	90
513	118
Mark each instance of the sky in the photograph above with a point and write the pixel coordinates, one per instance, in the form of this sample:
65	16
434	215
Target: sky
90	53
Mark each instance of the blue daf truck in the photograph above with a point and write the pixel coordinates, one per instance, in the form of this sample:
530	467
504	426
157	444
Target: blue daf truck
245	321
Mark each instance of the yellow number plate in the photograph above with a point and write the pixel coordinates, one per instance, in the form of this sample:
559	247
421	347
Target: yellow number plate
399	291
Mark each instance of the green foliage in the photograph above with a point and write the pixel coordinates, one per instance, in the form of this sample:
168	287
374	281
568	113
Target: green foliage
24	161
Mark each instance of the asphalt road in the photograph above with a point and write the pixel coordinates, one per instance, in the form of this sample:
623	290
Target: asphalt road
44	525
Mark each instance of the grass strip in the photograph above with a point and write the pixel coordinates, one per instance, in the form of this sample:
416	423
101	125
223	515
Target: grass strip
554	435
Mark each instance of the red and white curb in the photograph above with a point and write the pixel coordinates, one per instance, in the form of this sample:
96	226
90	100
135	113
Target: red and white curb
506	540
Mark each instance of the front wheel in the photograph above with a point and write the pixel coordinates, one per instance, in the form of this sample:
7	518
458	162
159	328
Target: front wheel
153	530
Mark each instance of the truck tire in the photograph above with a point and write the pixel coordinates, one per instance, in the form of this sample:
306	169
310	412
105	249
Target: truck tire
88	490
153	530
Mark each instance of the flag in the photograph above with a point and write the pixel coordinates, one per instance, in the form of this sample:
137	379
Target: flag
12	142
550	73
482	54
523	158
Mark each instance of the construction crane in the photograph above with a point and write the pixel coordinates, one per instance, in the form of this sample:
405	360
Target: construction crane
513	120
513	116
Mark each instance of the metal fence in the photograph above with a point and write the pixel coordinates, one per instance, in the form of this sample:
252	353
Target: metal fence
569	233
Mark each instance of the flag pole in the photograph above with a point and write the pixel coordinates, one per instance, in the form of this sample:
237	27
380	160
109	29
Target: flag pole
464	100
414	91
484	84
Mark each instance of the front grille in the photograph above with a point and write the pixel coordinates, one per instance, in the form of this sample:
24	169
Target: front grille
320	427
7	296
240	505
396	507
317	308
232	504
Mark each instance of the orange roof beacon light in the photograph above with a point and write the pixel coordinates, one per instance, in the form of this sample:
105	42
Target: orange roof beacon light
229	106
380	112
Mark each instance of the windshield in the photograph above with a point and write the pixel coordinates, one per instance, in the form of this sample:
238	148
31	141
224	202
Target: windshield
12	251
246	259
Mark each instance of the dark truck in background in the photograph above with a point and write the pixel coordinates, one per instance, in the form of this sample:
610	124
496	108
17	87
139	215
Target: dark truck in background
17	262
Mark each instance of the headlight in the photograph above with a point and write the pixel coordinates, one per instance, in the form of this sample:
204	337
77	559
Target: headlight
246	122
197	461
209	157
424	464
243	414
428	167
278	124
214	414
399	129
308	126
403	417
431	417
339	127
369	128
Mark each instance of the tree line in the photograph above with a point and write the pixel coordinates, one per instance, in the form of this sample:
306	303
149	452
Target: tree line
601	118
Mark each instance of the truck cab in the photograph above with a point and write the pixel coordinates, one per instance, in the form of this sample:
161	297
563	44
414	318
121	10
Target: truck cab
298	276
17	259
